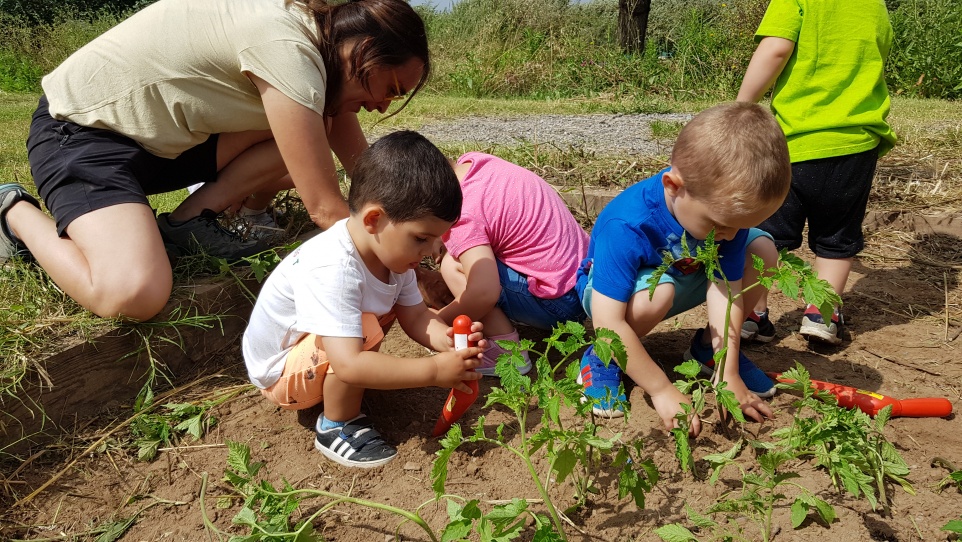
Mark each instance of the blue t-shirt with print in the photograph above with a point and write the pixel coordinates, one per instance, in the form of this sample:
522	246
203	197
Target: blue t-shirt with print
633	231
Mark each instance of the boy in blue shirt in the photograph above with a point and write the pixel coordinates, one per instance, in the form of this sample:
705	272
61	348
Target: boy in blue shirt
729	172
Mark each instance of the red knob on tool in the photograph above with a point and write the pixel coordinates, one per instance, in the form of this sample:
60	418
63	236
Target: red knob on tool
458	401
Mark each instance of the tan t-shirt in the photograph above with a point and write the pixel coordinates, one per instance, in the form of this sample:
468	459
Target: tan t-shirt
175	72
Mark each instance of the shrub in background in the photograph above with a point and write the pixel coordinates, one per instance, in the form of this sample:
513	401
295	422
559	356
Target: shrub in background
926	57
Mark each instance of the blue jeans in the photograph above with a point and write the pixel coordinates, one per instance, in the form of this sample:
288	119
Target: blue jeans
690	290
520	305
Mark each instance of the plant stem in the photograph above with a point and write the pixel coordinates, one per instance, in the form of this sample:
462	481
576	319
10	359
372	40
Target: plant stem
410	516
526	457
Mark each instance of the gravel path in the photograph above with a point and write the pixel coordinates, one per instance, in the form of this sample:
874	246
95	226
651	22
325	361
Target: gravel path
602	134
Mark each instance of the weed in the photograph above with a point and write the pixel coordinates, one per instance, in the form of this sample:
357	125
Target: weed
953	479
578	452
266	511
662	129
927	60
153	430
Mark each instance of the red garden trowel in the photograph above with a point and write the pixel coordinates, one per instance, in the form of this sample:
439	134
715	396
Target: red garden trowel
871	403
458	401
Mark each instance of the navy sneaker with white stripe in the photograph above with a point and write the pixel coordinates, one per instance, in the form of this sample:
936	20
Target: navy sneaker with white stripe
355	444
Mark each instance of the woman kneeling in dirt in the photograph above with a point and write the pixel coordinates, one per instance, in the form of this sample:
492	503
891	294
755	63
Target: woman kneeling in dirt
246	96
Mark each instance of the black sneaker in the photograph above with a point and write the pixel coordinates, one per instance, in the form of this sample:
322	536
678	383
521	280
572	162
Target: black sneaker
758	328
355	444
204	233
10	246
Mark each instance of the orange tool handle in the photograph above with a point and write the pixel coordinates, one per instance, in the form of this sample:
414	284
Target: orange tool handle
457	402
924	407
871	403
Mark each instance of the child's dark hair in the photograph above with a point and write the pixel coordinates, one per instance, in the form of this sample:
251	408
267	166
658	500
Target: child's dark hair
408	176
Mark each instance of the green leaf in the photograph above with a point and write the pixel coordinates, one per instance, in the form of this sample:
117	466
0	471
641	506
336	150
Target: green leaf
825	511
682	448
700	521
883	417
552	409
564	463
115	530
728	401
954	526
505	513
148	450
799	513
456	530
675	533
246	516
239	459
193	426
439	470
689	369
545	533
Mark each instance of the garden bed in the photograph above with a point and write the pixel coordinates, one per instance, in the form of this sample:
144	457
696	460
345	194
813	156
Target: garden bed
904	322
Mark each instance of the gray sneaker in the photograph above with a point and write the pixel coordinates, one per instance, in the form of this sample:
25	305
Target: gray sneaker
815	328
205	234
10	246
259	227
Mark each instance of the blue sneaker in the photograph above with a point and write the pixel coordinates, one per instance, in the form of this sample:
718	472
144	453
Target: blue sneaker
602	385
755	379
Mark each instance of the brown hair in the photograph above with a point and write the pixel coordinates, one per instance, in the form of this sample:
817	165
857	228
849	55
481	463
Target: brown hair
408	177
734	154
380	33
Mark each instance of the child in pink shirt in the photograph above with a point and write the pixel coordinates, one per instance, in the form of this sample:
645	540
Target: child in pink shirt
513	255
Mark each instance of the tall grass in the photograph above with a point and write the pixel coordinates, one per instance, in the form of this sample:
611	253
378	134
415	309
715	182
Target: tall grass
27	52
555	49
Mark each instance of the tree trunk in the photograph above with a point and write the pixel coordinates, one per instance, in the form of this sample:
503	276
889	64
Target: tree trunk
633	24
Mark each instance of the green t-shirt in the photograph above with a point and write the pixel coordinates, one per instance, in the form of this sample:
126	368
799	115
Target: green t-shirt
831	98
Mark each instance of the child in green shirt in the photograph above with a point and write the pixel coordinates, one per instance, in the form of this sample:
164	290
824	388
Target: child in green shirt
825	59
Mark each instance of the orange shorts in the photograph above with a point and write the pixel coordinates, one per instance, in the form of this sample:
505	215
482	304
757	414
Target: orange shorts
302	383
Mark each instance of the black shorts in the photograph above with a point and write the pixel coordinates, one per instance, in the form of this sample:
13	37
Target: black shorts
78	169
831	193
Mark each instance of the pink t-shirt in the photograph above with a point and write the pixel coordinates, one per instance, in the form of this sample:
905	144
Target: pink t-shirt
524	220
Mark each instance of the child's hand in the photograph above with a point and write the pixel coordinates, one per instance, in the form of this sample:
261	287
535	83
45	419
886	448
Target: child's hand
452	368
752	405
475	337
667	404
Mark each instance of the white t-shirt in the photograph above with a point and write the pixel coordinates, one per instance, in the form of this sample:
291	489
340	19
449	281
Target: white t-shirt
176	71
321	288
